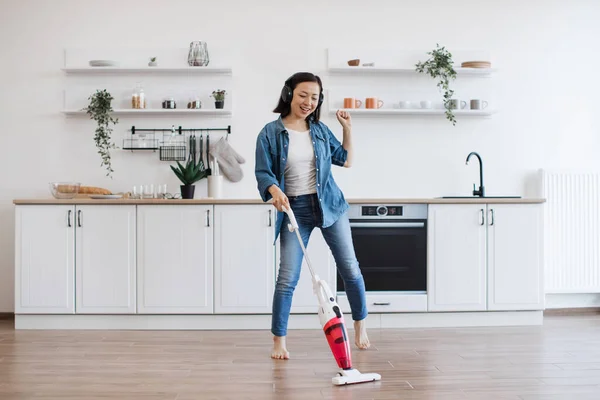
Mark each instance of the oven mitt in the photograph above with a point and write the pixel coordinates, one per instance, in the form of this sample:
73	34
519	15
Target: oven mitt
229	160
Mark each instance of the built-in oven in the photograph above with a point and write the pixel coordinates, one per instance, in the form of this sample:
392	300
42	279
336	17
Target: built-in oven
390	241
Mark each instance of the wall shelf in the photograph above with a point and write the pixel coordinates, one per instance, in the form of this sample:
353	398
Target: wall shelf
158	111
391	70
416	111
149	70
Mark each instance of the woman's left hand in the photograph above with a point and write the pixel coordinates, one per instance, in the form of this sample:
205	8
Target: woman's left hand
344	119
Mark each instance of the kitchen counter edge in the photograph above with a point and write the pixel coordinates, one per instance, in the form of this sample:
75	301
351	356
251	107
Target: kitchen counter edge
76	201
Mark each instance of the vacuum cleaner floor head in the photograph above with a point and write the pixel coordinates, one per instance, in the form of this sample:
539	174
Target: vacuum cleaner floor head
351	376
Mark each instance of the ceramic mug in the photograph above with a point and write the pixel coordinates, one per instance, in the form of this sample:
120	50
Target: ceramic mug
425	104
455	104
373	102
351	102
477	104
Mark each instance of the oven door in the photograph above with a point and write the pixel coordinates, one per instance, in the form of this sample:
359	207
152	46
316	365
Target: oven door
392	255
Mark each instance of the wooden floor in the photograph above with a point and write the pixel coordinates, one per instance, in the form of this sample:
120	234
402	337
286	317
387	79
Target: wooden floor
560	360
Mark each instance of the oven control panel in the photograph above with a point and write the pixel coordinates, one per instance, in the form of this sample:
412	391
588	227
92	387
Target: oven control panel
381	211
390	211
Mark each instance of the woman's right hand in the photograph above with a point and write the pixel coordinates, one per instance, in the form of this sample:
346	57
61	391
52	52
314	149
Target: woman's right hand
279	198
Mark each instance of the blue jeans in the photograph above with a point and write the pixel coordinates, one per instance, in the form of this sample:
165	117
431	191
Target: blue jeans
307	211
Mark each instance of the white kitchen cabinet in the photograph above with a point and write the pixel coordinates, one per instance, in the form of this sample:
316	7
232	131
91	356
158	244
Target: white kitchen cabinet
485	257
105	257
244	258
44	259
456	257
75	259
175	259
515	248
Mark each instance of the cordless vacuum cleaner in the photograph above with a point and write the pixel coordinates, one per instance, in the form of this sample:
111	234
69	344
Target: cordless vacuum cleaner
332	322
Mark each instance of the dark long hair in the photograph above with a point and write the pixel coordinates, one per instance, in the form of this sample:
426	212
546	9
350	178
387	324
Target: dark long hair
284	108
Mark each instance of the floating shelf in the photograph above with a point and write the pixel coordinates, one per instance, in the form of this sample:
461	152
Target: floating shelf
149	70
158	111
416	111
391	70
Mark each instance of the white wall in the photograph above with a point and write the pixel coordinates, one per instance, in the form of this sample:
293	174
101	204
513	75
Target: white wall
546	90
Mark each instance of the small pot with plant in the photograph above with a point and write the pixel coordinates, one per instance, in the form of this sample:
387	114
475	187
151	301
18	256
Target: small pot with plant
152	62
189	175
219	96
440	67
99	110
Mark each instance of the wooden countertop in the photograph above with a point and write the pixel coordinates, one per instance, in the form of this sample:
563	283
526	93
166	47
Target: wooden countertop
469	200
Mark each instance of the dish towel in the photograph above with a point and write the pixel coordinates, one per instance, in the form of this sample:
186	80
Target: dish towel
228	159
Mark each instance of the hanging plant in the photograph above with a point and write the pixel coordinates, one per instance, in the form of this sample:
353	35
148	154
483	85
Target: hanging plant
99	110
440	66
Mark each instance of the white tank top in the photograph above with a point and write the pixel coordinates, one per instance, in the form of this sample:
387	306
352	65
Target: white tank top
300	169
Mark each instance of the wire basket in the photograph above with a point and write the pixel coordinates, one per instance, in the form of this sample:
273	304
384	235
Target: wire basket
173	147
172	153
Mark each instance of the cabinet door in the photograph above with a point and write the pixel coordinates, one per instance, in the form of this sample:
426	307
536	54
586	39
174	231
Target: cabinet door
105	259
44	259
456	265
175	259
244	258
515	267
305	300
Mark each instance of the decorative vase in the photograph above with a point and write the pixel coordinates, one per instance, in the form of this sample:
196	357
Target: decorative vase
219	103
187	191
198	54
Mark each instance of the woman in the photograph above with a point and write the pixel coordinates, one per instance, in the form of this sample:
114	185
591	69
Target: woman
294	155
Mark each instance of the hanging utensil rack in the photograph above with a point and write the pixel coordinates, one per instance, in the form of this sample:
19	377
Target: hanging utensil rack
172	144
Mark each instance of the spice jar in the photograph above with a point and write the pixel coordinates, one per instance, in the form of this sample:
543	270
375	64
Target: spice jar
194	103
169	103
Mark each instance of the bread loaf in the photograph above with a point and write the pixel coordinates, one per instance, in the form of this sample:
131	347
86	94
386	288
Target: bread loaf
93	190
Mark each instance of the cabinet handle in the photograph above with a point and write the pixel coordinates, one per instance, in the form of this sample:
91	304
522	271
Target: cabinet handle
382	304
492	219
69	219
270	218
207	217
482	213
79	218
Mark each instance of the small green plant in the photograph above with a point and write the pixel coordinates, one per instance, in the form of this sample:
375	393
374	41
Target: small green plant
191	173
440	66
219	94
153	59
99	110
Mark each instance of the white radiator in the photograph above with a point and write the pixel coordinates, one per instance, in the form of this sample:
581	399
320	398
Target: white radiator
571	232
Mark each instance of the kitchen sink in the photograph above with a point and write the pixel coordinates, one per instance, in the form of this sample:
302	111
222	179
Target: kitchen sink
477	197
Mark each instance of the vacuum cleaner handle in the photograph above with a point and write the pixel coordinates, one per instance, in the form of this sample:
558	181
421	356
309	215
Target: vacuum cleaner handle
290	214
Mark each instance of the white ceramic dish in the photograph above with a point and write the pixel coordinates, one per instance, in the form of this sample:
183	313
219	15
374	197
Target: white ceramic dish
106	196
103	63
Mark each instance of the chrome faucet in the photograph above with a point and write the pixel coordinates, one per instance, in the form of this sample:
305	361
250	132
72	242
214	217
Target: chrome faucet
481	191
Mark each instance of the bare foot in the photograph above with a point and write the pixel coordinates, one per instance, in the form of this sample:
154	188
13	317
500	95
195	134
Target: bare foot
360	335
279	351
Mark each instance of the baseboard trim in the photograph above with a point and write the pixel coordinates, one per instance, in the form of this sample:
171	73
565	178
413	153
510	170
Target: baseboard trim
263	322
573	311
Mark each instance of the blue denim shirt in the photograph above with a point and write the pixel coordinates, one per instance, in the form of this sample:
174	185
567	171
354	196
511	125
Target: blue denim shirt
271	157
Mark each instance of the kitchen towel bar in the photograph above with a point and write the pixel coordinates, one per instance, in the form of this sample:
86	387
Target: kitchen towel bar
173	146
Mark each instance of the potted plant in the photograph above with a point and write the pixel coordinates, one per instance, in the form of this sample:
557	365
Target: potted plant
152	62
189	175
219	96
440	66
99	110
